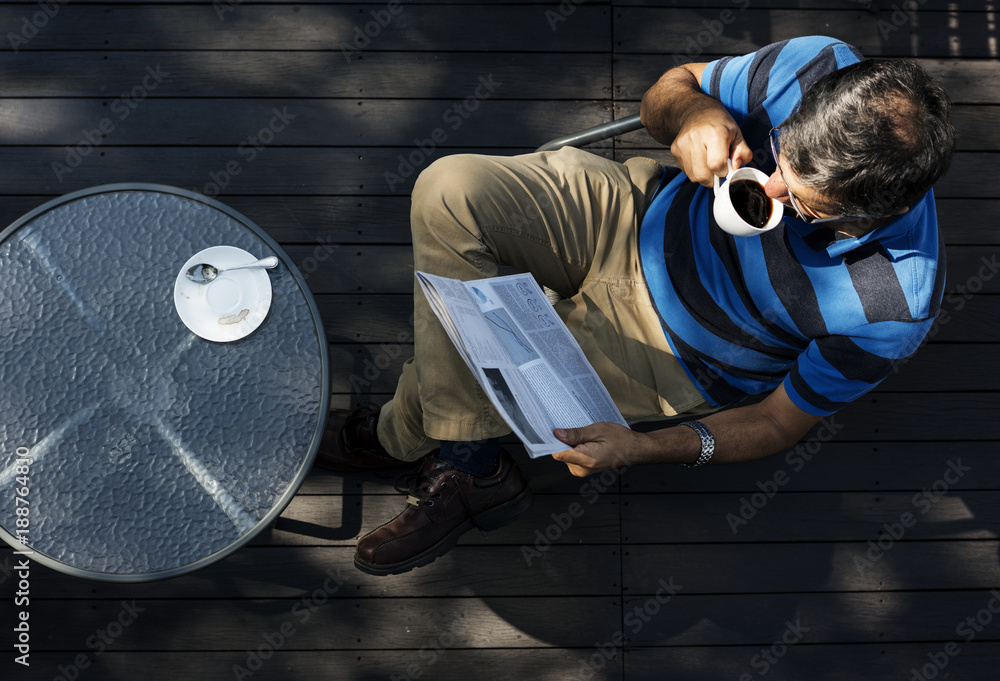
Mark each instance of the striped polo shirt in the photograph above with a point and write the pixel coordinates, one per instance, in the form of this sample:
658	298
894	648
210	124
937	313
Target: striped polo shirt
827	314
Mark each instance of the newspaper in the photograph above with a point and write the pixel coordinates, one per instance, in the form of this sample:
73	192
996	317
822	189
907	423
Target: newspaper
523	355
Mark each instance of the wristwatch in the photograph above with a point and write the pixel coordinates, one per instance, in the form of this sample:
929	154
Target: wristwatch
707	443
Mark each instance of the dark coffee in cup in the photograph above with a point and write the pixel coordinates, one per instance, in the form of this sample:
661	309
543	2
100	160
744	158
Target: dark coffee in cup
752	204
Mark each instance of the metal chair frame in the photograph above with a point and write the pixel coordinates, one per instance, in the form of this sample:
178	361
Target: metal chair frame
595	134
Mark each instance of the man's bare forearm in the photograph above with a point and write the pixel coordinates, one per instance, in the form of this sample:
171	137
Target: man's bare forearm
699	130
671	100
741	434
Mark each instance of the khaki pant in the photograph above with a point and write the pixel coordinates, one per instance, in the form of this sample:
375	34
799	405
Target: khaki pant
569	217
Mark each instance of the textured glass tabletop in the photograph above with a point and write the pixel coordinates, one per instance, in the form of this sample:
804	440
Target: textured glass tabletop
145	450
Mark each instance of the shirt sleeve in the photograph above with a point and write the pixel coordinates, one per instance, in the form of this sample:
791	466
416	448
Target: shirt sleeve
763	88
835	370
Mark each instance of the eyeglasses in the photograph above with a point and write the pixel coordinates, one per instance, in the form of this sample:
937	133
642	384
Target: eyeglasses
809	219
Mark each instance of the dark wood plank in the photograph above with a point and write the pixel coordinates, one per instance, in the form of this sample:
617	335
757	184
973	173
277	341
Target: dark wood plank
976	320
812	516
972	270
336	624
366	369
818	464
249	123
860	662
814	465
813	567
692	32
948	367
962	78
328	220
436	657
346	518
922	417
342	29
367	318
362	269
967	221
297	572
975	125
375	5
442	75
936	5
829	618
273	171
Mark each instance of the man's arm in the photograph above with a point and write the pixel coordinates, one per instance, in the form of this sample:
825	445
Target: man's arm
700	131
742	434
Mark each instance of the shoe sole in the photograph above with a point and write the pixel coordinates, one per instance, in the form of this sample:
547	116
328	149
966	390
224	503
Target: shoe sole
488	521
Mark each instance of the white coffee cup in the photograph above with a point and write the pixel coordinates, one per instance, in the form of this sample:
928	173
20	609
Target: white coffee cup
725	213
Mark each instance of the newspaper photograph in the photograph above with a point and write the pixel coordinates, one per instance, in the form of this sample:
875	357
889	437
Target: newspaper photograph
523	355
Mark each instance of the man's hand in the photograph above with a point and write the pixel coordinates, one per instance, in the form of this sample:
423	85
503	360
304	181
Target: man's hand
600	446
741	434
700	131
709	136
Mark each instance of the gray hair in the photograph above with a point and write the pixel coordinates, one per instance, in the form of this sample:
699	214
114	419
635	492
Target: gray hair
873	137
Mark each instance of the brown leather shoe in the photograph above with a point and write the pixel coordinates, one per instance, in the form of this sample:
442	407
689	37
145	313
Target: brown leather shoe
443	504
350	444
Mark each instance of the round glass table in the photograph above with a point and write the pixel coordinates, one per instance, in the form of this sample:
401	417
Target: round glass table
132	449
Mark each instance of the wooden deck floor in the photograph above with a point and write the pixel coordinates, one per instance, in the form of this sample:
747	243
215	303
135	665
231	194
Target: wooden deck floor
790	568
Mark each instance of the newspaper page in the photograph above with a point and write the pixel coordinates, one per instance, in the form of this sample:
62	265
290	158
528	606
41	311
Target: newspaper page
523	355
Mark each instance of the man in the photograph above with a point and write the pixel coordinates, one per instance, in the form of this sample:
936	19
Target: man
678	317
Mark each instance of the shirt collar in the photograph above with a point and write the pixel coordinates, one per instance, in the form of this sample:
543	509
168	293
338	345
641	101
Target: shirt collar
821	237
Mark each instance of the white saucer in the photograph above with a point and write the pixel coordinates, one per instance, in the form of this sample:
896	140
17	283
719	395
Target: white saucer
233	305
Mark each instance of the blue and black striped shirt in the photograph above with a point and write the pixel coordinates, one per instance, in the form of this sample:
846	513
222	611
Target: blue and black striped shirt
827	314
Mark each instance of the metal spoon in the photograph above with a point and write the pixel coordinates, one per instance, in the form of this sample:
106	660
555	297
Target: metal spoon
203	273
